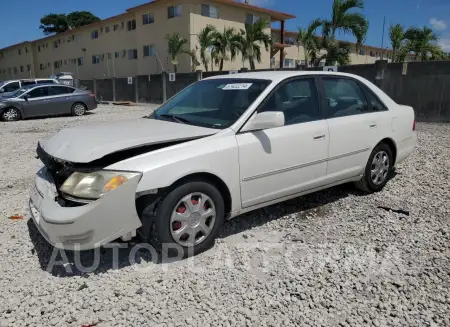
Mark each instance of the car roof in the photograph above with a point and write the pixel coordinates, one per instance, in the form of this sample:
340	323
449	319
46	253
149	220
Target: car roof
279	75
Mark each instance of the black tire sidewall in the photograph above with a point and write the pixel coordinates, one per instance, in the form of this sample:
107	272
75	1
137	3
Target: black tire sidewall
166	207
76	104
367	173
5	110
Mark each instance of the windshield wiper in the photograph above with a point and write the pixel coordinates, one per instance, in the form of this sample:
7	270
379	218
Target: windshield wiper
178	119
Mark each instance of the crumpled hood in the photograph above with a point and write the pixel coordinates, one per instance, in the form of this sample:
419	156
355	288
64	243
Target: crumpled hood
87	143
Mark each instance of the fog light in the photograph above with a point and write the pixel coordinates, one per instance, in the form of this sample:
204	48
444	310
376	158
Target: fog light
78	238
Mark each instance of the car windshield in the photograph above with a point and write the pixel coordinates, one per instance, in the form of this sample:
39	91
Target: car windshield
214	103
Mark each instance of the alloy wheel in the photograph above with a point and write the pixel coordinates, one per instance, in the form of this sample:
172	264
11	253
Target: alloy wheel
10	114
79	109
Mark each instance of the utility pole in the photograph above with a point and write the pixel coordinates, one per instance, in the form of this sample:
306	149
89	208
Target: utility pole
382	37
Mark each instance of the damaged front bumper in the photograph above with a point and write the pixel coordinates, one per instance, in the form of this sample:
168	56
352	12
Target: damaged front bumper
87	226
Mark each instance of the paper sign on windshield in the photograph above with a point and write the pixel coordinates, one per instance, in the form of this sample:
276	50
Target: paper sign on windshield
237	86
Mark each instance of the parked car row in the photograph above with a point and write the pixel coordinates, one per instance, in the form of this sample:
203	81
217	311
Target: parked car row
34	100
8	87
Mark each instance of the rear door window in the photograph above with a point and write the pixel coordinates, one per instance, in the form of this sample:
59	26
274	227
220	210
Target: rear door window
59	90
344	97
25	83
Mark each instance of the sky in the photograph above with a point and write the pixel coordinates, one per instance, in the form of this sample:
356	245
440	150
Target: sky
22	17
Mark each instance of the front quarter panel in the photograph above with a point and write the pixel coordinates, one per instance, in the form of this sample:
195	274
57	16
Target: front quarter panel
217	154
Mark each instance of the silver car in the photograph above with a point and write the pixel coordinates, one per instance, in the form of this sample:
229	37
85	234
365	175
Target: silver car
46	100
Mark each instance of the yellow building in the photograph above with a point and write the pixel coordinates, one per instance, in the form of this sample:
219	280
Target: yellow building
134	43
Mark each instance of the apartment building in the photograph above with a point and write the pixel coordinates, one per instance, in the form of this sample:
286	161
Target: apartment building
132	43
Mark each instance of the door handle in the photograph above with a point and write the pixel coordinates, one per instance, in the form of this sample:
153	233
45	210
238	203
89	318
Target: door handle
319	137
373	125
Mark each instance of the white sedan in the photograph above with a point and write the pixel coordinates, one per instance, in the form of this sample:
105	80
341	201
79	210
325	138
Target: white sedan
223	146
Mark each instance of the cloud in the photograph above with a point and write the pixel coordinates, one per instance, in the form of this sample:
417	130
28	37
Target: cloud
437	24
445	44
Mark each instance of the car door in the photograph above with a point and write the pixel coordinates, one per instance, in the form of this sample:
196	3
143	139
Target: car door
36	102
353	124
60	99
278	162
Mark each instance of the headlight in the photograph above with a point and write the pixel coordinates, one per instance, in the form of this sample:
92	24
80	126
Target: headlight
96	184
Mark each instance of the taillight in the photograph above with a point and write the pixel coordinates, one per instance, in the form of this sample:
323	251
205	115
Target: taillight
92	95
414	125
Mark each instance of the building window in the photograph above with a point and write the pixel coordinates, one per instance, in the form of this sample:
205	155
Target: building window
210	11
21	69
290	40
15	70
132	54
149	50
122	24
55	44
147	19
131	25
80	61
39	48
19	51
107	29
288	63
116	54
28	68
115	27
94	34
251	19
57	64
362	52
174	11
109	56
26	50
95	59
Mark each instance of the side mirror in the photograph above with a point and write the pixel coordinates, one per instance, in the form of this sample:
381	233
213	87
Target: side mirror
25	97
264	120
2	90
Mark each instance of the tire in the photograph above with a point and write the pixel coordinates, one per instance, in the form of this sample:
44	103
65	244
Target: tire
79	109
377	173
10	114
168	233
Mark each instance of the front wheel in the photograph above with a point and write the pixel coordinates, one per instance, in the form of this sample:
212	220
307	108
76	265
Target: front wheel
78	109
189	219
10	114
378	169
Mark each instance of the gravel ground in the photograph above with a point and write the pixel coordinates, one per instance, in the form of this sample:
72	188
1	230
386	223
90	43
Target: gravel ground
327	259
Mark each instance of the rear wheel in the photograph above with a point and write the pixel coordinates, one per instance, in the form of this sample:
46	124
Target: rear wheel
188	219
10	114
378	169
78	109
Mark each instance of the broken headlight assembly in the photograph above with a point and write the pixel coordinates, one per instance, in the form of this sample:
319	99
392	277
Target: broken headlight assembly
92	186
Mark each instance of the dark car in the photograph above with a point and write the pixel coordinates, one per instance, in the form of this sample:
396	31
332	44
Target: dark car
46	100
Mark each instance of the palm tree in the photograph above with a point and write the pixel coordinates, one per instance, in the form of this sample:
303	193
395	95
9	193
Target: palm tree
397	36
345	21
422	41
205	39
228	41
251	39
306	38
194	61
176	47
